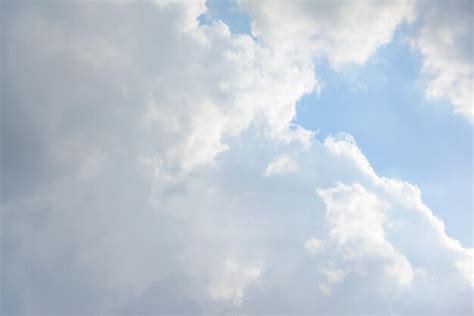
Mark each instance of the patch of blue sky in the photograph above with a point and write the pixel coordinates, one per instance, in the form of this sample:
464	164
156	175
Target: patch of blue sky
403	135
228	12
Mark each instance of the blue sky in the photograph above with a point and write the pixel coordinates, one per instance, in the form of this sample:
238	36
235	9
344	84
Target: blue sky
228	12
403	135
236	157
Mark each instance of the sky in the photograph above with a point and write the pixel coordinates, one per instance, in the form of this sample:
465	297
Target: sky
237	157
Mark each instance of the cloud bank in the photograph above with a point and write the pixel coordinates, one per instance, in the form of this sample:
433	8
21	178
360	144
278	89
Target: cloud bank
151	165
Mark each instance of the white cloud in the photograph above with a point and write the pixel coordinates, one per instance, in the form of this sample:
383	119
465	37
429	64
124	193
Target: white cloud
445	43
139	108
357	222
342	31
280	165
347	32
230	82
396	195
138	97
313	246
186	12
231	283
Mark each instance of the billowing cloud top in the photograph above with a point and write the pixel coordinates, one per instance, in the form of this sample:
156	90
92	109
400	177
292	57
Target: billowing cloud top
151	164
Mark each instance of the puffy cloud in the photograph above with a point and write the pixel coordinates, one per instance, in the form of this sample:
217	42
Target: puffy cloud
280	165
229	81
346	32
133	144
357	223
137	97
445	43
342	31
397	195
186	12
231	283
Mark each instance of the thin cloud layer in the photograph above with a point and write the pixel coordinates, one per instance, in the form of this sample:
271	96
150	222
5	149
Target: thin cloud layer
151	165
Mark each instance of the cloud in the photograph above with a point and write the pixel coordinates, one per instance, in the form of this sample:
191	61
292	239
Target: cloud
349	32
344	32
231	283
193	88
444	41
137	98
133	145
313	246
356	220
186	13
280	165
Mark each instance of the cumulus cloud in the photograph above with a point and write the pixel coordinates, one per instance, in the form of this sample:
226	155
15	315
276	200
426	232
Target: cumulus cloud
280	165
347	32
445	43
136	97
231	283
344	32
133	144
356	220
